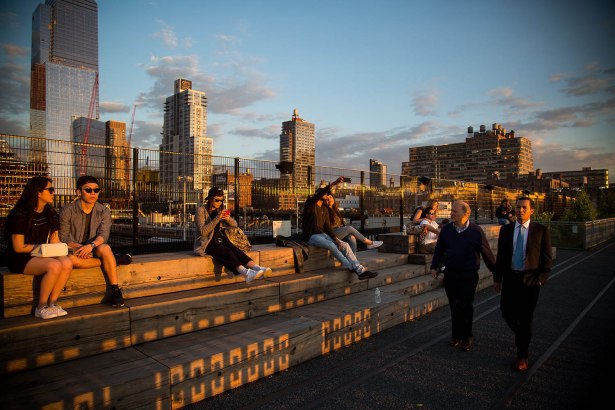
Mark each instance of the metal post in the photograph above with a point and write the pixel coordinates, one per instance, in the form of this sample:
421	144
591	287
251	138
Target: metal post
401	203
362	201
237	194
135	201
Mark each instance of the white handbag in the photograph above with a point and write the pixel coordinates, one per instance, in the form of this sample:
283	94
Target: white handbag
50	250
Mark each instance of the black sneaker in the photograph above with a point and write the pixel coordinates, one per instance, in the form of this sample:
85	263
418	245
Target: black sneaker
367	275
117	299
123	259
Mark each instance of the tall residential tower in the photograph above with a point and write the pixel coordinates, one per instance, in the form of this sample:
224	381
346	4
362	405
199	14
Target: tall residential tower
297	146
185	132
63	79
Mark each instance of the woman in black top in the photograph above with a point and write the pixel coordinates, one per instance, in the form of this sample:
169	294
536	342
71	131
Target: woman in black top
31	222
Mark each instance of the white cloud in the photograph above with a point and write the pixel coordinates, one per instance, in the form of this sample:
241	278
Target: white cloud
113	107
166	34
424	102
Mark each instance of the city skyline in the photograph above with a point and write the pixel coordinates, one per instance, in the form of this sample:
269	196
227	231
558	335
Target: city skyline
374	79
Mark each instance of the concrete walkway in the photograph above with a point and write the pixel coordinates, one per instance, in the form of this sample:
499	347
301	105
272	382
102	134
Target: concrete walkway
572	358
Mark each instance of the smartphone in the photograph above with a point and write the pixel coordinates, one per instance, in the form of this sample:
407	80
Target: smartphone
226	212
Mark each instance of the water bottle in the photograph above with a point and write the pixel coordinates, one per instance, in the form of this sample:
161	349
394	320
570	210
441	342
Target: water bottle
377	294
404	231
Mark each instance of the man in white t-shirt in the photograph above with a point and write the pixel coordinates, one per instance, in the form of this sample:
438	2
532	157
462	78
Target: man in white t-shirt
429	232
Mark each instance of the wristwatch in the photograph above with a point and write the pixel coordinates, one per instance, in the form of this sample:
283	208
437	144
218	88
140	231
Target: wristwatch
93	244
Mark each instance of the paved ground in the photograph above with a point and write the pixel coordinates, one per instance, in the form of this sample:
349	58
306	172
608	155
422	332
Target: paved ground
572	357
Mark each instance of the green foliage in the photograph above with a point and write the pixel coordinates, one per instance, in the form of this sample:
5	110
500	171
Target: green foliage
581	210
606	204
544	217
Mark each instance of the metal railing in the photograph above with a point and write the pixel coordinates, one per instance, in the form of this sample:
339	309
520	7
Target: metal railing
153	194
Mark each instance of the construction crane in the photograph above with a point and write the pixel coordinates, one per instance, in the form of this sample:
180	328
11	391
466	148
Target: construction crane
83	163
132	123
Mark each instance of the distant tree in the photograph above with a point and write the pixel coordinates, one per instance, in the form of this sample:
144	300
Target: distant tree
606	204
581	210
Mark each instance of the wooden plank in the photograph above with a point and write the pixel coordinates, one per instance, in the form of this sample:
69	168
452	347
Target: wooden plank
304	289
398	243
318	259
209	362
124	379
395	275
355	317
279	259
162	316
28	343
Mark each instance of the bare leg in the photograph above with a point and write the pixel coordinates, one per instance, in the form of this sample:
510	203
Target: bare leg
109	265
51	269
67	268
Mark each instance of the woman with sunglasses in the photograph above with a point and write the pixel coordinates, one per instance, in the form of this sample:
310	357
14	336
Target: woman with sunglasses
31	222
429	232
211	241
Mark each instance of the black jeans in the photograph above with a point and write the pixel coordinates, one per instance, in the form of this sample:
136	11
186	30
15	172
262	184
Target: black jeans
518	303
227	254
460	289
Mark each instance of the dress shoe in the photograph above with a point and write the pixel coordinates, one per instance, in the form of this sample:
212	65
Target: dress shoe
465	345
454	342
521	365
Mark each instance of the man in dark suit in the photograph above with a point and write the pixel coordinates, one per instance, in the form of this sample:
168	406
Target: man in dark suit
523	263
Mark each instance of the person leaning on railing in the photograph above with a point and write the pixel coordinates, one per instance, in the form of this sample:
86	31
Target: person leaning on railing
32	222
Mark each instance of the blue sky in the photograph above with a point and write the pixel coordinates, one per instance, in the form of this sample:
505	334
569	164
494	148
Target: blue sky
375	77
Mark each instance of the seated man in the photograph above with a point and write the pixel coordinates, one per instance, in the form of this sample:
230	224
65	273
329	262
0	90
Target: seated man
85	225
317	232
429	232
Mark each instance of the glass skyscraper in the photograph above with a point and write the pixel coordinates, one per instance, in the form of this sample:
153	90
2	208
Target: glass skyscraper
63	77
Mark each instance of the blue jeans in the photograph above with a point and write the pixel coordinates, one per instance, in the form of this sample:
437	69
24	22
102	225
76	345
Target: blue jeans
346	256
503	221
349	234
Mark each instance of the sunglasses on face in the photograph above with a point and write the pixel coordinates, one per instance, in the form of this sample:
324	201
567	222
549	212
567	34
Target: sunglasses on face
90	190
431	213
218	200
50	189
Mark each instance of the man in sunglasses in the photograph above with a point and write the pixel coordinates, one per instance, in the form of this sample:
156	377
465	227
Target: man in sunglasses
85	225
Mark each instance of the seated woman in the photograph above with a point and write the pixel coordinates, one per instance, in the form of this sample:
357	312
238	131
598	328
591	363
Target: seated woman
347	233
211	241
31	222
420	214
429	232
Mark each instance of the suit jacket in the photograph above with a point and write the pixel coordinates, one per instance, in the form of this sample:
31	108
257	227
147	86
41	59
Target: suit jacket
538	257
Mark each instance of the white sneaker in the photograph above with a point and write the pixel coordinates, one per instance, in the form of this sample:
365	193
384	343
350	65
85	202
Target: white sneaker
265	272
58	309
252	274
45	313
375	244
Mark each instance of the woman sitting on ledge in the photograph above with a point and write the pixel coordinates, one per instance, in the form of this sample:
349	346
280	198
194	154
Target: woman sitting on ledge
31	222
211	241
347	233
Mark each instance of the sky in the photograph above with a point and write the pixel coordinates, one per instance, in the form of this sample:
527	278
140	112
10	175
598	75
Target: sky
375	77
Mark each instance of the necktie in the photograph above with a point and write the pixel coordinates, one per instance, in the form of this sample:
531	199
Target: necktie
518	256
